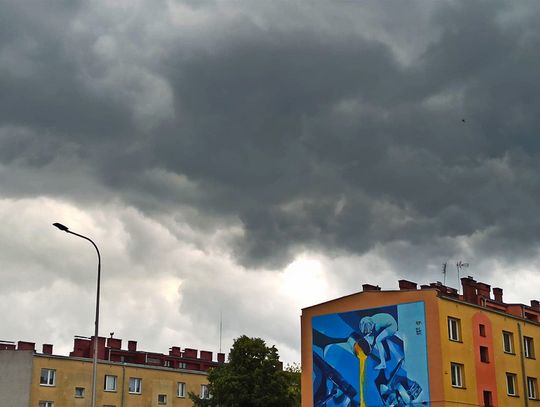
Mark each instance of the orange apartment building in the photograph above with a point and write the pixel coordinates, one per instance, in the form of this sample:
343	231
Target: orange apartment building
125	377
427	346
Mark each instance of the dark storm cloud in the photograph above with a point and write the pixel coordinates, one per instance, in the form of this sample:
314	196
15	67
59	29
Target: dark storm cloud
312	139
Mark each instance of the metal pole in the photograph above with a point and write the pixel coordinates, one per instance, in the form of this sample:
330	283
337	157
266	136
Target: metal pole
96	330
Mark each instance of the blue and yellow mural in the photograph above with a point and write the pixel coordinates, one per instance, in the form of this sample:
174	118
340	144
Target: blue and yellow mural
371	357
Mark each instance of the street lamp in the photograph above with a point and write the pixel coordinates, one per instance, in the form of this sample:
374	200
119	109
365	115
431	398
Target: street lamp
96	337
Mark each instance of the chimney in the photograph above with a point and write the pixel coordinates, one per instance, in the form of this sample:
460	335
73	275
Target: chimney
407	285
369	287
114	343
206	355
175	351
535	304
132	346
498	294
469	290
22	345
484	290
47	349
221	358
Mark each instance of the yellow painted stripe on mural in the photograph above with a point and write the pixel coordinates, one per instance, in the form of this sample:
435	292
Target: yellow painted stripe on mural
362	361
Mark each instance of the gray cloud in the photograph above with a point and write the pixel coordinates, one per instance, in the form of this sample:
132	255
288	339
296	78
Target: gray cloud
251	133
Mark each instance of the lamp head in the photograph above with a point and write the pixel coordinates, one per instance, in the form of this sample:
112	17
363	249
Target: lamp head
61	227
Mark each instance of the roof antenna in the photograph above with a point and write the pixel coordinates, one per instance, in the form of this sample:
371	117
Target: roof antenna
459	266
220	328
444	271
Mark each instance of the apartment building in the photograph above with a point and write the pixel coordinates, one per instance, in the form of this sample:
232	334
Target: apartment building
125	377
430	345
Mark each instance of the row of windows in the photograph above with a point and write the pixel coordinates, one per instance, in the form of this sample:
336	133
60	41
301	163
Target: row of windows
454	334
458	380
48	378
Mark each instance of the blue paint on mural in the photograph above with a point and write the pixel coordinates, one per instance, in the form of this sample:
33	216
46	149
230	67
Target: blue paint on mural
371	357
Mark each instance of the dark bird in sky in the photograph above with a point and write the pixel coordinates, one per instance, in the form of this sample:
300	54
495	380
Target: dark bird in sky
463	120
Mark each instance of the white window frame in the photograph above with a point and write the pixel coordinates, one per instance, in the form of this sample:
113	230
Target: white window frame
162	399
205	392
510	336
456	374
114	382
528	347
79	392
181	389
454	331
50	377
46	404
532	388
511	384
135	385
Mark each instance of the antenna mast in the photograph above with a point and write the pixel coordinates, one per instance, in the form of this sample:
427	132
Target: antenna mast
459	266
220	328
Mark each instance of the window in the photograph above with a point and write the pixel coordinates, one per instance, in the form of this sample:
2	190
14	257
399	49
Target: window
532	388
453	329
135	385
528	347
488	399
110	383
456	371
482	331
484	354
181	365
46	404
47	378
511	388
181	389
162	399
79	392
205	392
508	342
167	363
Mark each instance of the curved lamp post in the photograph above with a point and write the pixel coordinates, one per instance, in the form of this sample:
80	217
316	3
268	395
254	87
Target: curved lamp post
96	337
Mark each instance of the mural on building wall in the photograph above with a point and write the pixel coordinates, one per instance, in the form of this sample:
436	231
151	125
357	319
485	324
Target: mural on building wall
371	357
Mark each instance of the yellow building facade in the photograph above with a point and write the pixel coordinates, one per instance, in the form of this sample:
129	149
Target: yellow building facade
428	346
125	378
72	383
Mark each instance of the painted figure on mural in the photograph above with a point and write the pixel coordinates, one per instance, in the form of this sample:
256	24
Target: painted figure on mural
359	359
379	327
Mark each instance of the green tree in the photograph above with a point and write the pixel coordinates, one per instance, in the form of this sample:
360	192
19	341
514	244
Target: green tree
253	377
293	373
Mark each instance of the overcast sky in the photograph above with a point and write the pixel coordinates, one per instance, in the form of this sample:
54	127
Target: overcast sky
252	158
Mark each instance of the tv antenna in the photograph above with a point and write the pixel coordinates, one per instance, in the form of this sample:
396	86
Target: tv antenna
444	271
459	266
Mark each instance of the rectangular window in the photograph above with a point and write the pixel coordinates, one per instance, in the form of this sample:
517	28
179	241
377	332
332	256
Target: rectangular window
511	388
167	363
528	347
484	354
532	388
205	392
135	385
181	365
482	330
47	378
162	399
110	383
456	371
46	404
79	392
453	329
508	342
181	389
488	399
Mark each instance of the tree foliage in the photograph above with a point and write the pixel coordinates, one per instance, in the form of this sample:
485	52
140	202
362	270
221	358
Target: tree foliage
253	377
